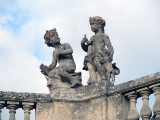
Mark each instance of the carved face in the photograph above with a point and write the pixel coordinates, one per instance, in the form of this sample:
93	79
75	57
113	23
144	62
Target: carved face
95	27
51	38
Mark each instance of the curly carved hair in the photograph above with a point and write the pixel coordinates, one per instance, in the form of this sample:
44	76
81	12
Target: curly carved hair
52	30
98	20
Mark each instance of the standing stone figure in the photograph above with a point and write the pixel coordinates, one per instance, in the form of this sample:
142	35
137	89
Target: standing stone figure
99	58
64	74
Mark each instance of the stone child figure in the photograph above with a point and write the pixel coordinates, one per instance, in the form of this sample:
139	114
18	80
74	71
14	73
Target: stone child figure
99	58
63	56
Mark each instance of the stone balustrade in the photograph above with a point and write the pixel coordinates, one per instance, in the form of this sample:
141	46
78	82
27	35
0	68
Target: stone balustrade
113	102
13	106
146	111
27	101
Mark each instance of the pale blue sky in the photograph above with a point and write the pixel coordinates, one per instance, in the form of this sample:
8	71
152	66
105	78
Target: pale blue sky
132	25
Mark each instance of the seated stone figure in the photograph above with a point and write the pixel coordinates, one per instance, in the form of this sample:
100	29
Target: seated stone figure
63	75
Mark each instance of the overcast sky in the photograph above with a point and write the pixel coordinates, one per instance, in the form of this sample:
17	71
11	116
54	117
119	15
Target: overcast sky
132	25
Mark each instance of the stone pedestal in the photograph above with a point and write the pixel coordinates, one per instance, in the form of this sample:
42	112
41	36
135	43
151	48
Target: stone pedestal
91	102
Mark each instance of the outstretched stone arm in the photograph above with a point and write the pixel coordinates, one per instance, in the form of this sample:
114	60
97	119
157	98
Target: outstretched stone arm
109	46
46	69
67	50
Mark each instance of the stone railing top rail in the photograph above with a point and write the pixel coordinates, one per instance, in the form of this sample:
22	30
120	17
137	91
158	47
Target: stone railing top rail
135	84
95	90
24	97
84	93
102	88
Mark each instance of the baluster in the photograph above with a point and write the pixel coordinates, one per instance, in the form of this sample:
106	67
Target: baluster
146	111
133	113
12	106
27	107
2	103
156	106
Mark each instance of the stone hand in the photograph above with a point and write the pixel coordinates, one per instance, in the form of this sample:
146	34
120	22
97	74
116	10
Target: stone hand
44	69
89	42
84	40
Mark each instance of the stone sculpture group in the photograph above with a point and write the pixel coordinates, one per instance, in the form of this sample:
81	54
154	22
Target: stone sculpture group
98	60
100	99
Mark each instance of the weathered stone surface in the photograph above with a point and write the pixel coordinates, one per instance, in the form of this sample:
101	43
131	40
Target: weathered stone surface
27	107
135	84
146	111
21	96
99	53
133	113
83	93
12	106
101	88
102	108
93	110
98	101
118	106
62	75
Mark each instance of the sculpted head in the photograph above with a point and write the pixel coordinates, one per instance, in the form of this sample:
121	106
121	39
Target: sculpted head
51	37
97	23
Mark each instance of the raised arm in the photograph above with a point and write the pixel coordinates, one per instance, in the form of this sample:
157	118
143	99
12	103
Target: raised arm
83	45
109	45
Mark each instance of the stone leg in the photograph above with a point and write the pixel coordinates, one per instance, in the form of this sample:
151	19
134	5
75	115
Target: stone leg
100	69
62	73
53	74
92	73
